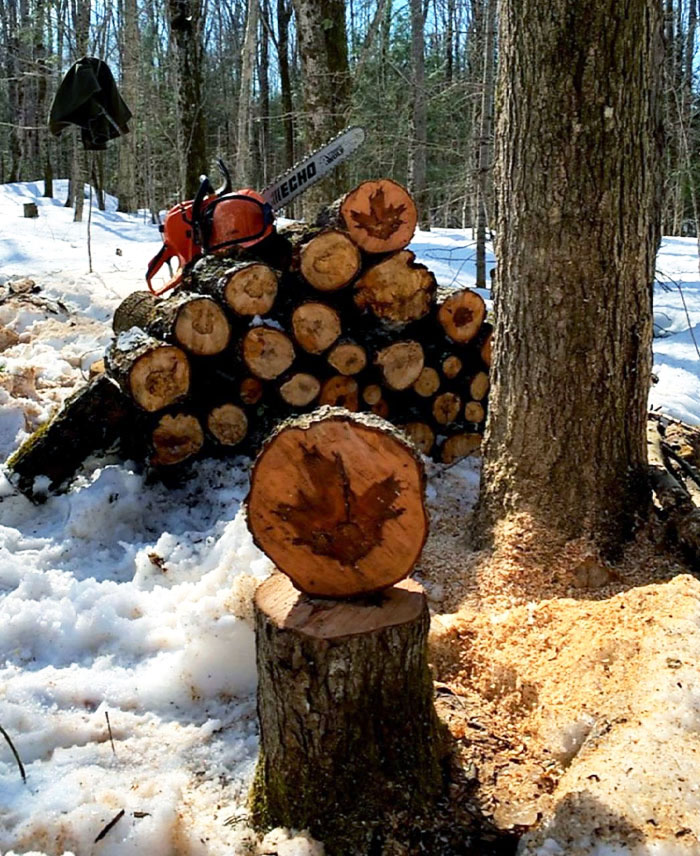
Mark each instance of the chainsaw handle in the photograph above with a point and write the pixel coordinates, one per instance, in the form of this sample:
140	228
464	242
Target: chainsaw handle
156	263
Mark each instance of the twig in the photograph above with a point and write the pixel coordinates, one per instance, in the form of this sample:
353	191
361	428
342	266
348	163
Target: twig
15	753
112	823
111	739
687	468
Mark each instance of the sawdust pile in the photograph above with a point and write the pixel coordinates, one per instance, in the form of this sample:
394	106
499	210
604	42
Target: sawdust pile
543	655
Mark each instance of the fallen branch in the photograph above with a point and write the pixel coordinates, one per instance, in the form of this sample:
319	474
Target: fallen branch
15	753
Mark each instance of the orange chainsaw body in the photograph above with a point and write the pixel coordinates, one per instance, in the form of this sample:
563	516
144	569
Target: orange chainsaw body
242	219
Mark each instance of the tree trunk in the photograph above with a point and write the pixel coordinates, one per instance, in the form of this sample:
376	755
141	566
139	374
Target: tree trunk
244	154
419	128
580	142
187	33
128	149
324	61
347	724
483	166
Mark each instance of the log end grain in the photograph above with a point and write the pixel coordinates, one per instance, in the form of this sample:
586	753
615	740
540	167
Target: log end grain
396	289
329	261
336	501
401	364
316	326
250	288
300	390
380	216
461	315
175	439
267	352
228	424
202	328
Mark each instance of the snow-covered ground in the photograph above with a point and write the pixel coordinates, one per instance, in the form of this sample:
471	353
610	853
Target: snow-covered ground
127	658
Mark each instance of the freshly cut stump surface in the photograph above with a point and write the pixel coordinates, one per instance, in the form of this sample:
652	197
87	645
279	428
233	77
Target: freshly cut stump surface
336	501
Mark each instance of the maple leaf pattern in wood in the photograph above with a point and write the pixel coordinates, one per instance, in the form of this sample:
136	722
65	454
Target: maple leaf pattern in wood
331	519
382	220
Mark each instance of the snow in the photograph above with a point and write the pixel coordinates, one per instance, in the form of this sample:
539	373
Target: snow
132	601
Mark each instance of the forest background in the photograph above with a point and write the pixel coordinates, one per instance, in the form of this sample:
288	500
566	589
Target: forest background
260	82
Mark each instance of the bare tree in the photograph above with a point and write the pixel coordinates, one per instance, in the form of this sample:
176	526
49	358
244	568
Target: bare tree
579	154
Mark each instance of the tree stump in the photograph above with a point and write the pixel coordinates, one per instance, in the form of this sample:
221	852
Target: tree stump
30	209
345	700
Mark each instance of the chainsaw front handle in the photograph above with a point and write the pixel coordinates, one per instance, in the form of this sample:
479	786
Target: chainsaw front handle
165	254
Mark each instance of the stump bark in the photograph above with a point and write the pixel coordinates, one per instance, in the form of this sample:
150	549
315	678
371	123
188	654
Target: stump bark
348	729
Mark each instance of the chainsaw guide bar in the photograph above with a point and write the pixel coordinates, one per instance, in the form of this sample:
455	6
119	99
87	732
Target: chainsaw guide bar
313	168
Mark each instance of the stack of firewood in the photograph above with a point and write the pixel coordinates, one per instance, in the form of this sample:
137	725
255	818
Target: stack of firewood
337	313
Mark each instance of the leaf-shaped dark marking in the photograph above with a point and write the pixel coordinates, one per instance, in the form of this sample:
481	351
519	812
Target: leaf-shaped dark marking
382	220
331	519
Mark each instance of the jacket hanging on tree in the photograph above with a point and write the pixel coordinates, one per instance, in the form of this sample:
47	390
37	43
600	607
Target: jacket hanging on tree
88	97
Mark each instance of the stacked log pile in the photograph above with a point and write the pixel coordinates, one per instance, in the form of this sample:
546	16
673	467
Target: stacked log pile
338	313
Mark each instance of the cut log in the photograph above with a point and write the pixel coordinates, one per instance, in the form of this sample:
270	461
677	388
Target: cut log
176	438
348	730
251	390
396	290
228	424
451	366
267	352
381	408
195	322
329	261
479	385
300	390
380	216
348	358
153	374
340	391
427	383
474	411
421	435
249	288
460	446
90	420
486	349
372	394
316	327
461	315
336	501
446	408
400	364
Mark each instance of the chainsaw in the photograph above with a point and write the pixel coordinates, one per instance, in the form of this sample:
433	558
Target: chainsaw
217	219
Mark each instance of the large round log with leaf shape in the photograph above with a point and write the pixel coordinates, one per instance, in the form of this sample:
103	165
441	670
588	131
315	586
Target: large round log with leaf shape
337	502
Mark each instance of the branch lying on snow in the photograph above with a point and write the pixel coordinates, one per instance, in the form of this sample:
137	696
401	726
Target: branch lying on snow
672	494
113	822
15	753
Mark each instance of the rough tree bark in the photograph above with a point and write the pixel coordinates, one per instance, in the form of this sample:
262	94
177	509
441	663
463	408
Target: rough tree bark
579	166
326	84
187	32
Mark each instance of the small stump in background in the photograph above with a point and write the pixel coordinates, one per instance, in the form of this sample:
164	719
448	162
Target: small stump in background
30	209
348	730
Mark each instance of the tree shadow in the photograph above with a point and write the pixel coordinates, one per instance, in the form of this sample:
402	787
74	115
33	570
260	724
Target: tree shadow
579	818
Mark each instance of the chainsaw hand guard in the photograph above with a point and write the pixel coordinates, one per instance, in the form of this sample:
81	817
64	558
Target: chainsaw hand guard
165	254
